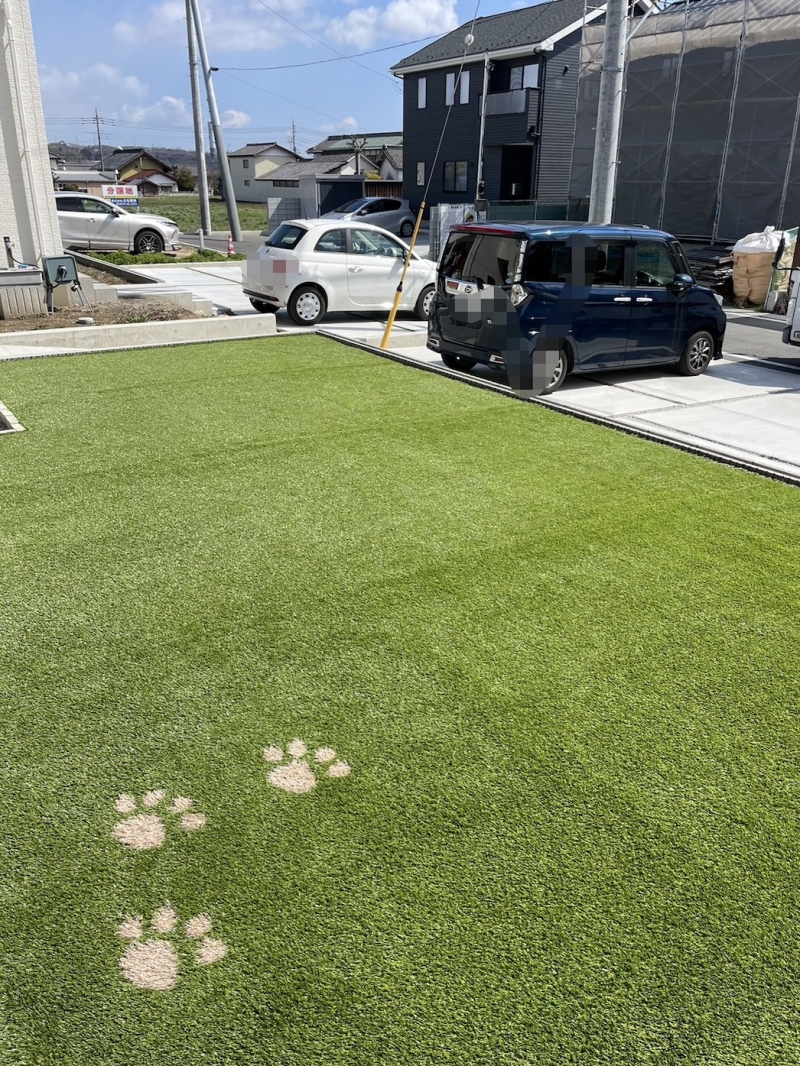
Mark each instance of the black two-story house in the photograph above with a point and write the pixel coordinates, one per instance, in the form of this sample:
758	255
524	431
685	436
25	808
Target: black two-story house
518	146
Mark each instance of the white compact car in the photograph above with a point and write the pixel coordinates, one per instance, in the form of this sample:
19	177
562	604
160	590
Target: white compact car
311	266
91	223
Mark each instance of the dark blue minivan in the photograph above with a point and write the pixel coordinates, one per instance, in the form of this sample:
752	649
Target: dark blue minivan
640	305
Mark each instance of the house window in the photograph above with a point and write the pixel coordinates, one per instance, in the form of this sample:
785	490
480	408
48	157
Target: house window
450	88
246	164
247	181
420	173
455	177
526	77
422	91
464	89
285	184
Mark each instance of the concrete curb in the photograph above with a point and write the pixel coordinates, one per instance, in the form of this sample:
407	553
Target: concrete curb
142	334
124	273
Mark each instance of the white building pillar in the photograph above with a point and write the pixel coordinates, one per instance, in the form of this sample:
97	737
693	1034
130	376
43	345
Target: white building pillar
27	205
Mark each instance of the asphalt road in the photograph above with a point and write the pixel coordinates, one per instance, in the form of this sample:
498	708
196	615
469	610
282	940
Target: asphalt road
759	338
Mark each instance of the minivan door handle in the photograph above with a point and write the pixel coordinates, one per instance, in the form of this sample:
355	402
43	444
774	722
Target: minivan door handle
644	299
623	299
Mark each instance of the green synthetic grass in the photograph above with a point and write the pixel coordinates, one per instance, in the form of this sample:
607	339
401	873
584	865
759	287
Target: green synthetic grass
185	210
562	663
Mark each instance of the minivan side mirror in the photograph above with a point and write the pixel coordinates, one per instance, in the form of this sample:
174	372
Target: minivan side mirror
681	282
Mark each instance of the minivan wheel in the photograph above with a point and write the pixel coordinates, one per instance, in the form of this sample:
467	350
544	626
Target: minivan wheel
406	229
697	354
424	303
559	374
457	362
306	305
148	241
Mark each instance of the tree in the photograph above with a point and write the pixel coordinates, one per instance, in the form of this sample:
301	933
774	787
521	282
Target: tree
185	179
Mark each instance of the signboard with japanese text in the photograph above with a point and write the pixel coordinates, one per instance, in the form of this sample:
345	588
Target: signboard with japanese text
121	195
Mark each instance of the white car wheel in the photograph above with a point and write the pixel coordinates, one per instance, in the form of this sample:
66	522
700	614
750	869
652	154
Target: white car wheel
425	303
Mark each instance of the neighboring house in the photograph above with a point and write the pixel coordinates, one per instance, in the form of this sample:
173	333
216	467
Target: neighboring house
390	164
373	143
131	161
254	162
530	62
82	180
152	183
310	187
709	142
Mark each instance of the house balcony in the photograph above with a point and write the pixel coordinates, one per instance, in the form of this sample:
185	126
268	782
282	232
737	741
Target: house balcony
514	102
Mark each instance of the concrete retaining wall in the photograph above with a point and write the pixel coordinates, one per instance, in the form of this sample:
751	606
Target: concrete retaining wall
145	334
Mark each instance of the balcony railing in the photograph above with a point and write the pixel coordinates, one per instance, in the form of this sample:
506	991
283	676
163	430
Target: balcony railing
511	103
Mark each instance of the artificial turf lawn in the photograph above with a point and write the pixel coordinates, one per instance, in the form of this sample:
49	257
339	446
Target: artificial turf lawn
561	661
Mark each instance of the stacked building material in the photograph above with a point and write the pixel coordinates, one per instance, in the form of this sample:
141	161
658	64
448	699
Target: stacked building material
713	266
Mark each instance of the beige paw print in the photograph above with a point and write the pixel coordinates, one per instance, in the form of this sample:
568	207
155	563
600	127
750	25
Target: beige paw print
142	831
152	961
296	773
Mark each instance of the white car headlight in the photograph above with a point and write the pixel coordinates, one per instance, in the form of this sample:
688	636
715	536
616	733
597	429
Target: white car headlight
718	298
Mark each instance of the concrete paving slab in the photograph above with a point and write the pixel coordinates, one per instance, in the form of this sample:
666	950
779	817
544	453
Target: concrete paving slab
590	397
733	427
724	380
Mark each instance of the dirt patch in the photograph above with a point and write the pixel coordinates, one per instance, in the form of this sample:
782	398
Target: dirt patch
111	314
102	275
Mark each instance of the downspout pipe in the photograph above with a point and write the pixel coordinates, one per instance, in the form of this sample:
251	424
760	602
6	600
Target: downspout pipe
23	128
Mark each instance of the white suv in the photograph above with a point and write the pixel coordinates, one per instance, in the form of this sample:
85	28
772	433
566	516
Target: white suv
91	223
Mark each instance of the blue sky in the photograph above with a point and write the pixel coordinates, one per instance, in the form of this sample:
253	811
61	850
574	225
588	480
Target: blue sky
128	60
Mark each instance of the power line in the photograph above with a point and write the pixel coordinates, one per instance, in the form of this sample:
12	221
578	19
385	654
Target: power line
339	58
285	99
323	43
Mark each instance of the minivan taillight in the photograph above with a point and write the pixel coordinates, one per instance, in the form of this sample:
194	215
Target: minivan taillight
518	295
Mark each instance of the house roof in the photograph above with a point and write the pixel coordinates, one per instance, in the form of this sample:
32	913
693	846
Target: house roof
304	168
125	156
496	33
93	177
373	142
153	178
254	150
394	156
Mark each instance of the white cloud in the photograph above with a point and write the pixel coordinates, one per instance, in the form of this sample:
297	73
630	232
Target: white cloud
235	120
400	18
169	110
63	91
228	27
345	125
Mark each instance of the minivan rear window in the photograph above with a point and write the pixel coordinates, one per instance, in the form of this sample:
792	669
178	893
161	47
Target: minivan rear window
489	258
286	236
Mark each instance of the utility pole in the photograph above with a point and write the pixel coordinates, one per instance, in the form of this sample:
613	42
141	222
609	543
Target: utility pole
216	125
197	116
609	113
99	140
294	138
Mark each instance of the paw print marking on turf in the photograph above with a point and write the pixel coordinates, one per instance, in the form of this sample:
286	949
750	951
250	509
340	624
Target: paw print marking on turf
152	961
142	831
295	772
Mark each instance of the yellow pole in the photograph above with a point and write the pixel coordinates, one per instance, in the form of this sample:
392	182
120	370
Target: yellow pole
398	295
